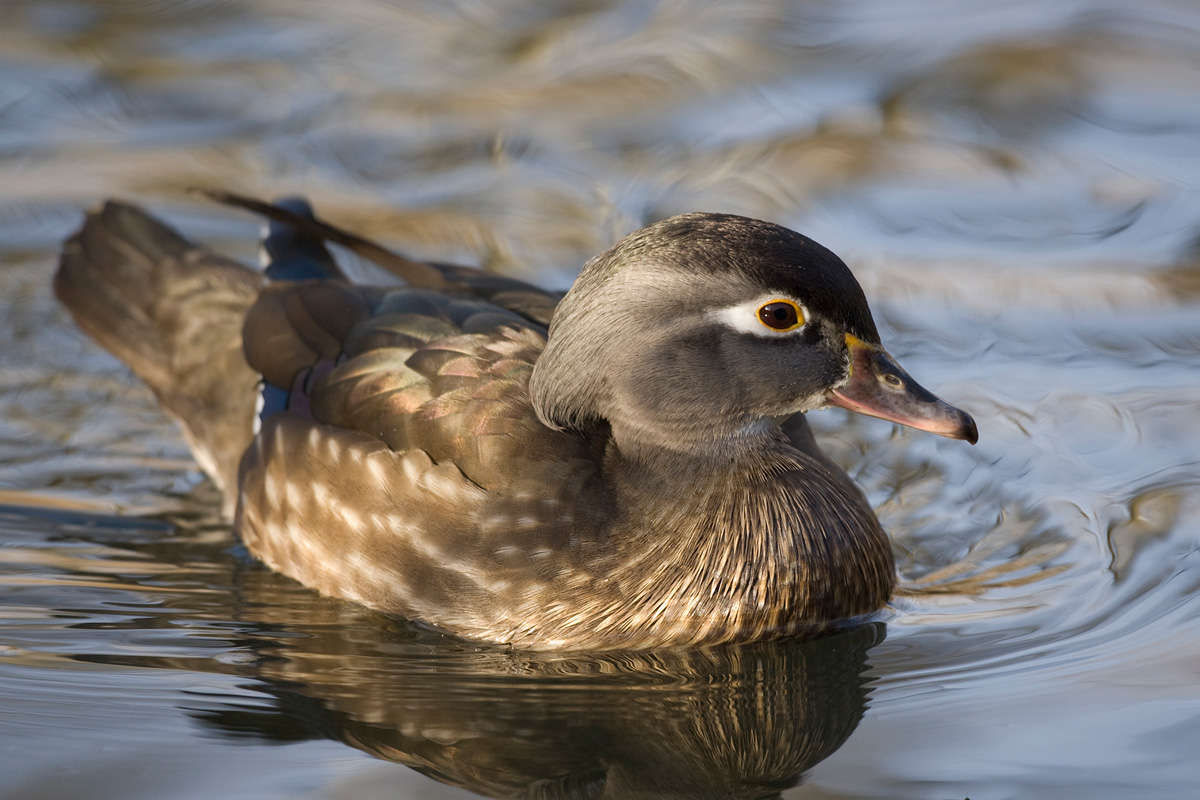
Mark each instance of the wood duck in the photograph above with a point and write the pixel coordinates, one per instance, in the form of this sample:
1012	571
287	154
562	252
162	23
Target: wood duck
624	467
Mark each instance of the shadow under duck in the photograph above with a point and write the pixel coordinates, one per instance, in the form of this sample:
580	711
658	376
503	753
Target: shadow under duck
625	466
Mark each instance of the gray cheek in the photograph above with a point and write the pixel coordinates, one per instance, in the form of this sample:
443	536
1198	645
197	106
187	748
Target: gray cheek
771	373
678	383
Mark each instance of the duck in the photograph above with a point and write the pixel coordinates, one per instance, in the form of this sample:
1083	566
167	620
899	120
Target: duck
625	466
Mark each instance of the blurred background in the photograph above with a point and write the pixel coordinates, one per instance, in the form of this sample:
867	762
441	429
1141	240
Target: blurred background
1017	186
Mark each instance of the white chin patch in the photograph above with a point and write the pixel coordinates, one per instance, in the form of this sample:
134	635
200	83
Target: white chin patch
744	318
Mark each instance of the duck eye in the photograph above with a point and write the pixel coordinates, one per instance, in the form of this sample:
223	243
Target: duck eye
780	315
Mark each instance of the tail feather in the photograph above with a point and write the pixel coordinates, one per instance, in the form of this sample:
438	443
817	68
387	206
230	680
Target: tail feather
414	273
173	312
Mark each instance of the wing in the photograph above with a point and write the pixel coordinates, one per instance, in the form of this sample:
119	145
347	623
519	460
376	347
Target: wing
412	368
408	470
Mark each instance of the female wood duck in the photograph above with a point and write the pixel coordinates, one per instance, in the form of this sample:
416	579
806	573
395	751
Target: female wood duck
627	466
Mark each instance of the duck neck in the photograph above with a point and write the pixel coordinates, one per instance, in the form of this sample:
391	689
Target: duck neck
678	480
708	452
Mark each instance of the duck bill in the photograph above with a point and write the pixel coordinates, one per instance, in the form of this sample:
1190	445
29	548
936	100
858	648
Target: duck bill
878	387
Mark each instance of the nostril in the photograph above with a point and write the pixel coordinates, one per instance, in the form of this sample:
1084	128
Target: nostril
893	381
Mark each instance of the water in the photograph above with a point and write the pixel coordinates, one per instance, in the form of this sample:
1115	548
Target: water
1014	184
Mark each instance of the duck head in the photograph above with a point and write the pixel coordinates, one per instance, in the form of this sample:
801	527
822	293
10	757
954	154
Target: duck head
706	330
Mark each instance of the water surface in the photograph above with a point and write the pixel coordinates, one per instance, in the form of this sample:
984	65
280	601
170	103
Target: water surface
1015	185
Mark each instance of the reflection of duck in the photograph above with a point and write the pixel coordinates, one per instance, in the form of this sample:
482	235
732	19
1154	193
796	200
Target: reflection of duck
734	721
643	477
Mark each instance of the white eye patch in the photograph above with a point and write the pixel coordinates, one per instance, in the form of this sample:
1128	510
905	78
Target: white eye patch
770	315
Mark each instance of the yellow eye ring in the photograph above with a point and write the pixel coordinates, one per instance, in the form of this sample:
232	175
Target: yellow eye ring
781	315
